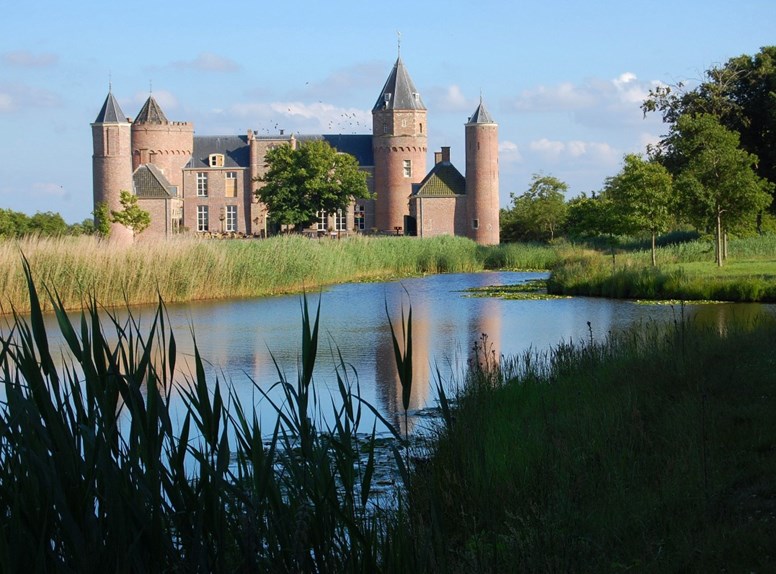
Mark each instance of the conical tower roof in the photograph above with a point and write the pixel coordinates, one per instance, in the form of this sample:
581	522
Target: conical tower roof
399	93
111	112
151	113
481	115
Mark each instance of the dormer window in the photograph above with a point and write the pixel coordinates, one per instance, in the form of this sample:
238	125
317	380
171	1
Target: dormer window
387	97
215	160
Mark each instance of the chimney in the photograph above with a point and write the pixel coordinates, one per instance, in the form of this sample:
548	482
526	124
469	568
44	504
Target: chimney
446	153
437	157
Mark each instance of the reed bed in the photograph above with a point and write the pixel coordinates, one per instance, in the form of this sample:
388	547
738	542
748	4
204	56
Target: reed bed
98	473
187	269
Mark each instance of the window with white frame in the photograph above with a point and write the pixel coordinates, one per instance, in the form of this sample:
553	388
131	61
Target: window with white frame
201	184
231	218
341	220
202	218
407	168
216	160
322	218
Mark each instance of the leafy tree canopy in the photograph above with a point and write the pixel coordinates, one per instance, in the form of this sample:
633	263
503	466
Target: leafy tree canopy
538	213
131	215
643	196
718	186
314	176
47	224
741	94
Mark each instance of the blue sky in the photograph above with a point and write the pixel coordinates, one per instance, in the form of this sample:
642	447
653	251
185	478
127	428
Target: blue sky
563	79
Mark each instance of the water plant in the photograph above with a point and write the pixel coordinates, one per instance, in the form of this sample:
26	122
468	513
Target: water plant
100	473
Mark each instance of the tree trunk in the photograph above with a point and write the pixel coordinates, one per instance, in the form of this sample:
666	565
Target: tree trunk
718	240
654	255
725	245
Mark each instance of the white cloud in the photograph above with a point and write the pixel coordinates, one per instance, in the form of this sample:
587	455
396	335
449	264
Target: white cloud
574	150
342	82
25	59
303	117
509	152
594	103
49	189
14	97
207	62
6	102
453	100
559	98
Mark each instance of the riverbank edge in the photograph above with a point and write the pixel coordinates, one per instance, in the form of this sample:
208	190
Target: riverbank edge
653	451
82	270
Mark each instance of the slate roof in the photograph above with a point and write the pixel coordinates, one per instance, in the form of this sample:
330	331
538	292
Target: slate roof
444	180
481	115
399	93
235	149
151	113
150	183
111	112
357	145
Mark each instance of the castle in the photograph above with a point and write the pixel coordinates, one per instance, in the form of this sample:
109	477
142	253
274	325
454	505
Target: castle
206	184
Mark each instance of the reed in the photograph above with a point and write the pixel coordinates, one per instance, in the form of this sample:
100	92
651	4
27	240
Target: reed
187	269
98	473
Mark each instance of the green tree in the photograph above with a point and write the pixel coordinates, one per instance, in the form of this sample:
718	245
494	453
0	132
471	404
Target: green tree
48	224
643	196
13	223
101	220
538	213
300	182
718	186
741	94
131	215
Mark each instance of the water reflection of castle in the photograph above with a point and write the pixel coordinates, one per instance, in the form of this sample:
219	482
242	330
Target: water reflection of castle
486	321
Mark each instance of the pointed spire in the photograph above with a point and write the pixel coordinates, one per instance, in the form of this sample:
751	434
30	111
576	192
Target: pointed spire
399	92
151	113
481	115
111	111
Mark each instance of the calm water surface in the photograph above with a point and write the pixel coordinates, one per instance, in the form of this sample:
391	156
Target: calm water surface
239	338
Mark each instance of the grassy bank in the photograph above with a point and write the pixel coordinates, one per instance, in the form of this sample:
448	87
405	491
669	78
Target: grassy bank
684	272
188	269
652	452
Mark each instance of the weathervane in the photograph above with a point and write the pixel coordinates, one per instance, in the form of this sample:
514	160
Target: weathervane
398	37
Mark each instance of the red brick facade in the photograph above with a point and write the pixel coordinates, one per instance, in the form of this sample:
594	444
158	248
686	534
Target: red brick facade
212	189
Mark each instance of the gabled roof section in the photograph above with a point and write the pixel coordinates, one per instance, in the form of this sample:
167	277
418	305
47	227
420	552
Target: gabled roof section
151	113
399	93
444	180
481	115
150	183
235	149
357	145
111	112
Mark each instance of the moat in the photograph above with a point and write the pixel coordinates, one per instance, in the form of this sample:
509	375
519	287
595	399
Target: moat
239	338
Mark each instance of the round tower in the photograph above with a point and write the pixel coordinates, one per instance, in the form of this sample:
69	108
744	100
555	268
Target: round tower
399	142
482	193
167	145
112	162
